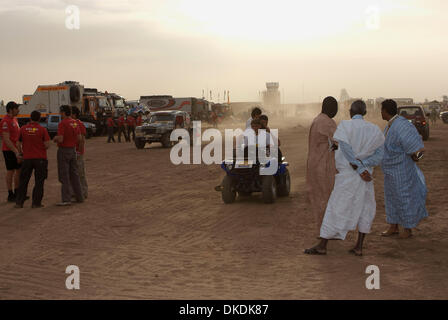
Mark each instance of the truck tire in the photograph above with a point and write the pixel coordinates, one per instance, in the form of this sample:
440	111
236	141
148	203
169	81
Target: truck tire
75	94
166	143
139	143
269	189
228	192
284	185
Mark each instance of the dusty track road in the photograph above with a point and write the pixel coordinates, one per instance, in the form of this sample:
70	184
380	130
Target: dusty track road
153	230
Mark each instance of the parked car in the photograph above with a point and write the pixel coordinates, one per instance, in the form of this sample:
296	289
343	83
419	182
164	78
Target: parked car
52	123
159	126
444	116
416	115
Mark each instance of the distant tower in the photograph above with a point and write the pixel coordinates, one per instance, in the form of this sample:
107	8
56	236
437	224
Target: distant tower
344	96
271	97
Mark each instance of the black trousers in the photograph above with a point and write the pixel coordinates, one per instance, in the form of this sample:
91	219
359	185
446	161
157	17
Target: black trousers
110	132
122	130
131	130
40	167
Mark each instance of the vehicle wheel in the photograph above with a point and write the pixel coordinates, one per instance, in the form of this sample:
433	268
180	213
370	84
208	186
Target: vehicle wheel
425	135
228	192
166	143
284	185
139	143
269	189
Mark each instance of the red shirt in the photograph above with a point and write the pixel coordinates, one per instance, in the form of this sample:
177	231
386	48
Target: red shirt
33	136
121	121
69	130
82	131
139	121
110	122
11	126
131	121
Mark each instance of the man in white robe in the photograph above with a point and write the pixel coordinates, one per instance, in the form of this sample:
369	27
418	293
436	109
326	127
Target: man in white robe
352	202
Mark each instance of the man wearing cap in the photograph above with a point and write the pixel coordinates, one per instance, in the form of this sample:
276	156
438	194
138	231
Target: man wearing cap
67	138
33	142
10	131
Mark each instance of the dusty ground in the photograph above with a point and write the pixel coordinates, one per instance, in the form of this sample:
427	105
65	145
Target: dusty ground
152	230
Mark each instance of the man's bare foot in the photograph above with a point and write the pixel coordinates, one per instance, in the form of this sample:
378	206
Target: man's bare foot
393	229
356	251
316	250
405	234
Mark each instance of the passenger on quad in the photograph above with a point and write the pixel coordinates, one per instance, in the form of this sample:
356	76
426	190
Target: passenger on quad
255	114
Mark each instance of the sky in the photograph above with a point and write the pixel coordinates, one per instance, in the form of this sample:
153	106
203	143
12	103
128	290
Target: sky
372	48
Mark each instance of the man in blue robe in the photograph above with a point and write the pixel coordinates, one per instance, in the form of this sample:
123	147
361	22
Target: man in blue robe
404	183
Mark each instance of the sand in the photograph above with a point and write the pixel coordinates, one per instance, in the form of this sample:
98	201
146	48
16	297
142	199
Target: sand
153	230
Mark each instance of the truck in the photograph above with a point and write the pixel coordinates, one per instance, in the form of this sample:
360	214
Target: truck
197	108
48	98
159	126
96	109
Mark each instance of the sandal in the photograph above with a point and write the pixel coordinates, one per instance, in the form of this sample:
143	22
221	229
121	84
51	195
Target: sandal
314	251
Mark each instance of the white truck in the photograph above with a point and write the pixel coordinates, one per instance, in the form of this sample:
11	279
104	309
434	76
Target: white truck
48	98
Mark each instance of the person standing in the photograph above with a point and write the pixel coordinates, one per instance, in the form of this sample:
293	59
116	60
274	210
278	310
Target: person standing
121	128
33	142
433	116
321	168
404	184
67	139
110	129
255	114
80	151
10	135
130	121
139	120
352	202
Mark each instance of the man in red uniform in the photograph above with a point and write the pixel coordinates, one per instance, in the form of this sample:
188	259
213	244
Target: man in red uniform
139	120
121	128
67	138
80	152
33	142
131	127
110	129
10	130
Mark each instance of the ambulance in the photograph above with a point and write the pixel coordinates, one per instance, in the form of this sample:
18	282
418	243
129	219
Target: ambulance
47	99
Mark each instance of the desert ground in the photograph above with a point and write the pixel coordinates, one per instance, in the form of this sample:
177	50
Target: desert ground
154	230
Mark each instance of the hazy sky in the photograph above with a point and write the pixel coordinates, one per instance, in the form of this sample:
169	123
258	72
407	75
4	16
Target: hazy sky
180	47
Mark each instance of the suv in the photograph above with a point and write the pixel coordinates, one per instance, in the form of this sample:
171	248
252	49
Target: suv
159	126
416	115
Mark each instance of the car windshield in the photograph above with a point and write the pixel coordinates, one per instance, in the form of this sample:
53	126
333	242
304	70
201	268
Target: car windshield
161	117
410	111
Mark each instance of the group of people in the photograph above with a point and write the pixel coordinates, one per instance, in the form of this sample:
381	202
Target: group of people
126	126
25	150
340	167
